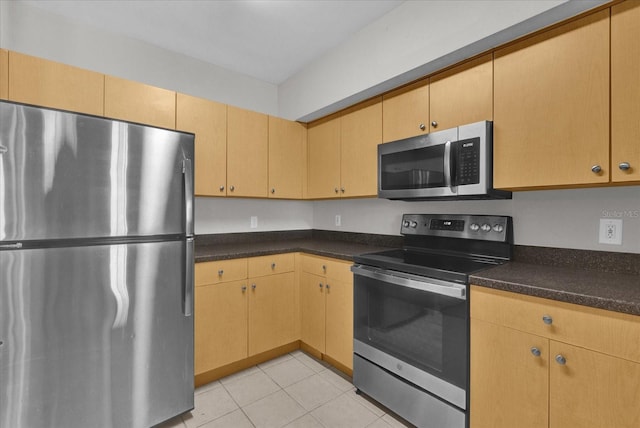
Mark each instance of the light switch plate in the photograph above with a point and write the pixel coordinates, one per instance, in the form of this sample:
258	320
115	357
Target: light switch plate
610	231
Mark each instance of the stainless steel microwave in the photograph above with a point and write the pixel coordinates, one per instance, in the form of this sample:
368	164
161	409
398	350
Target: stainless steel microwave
456	163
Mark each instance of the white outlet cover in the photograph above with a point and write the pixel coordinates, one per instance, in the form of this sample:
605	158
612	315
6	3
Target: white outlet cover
610	231
338	220
254	222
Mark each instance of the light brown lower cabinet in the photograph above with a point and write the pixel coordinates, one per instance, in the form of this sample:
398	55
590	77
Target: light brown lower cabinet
326	306
532	373
239	314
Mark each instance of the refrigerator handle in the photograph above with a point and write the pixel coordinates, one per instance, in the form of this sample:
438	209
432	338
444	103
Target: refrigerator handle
187	297
187	170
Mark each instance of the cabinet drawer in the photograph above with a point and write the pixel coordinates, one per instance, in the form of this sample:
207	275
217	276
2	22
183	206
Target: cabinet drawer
270	265
612	333
330	268
220	271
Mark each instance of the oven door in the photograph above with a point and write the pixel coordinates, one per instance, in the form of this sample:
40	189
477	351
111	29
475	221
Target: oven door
414	327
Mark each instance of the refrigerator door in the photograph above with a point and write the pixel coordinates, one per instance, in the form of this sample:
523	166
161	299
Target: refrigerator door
94	336
66	176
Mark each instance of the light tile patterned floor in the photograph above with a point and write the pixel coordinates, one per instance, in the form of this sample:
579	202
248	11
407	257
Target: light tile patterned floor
293	391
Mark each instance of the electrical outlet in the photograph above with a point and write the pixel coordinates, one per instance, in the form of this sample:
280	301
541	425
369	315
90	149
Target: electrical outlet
338	220
254	222
610	231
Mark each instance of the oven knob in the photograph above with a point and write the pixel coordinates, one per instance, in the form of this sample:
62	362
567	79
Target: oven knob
413	224
405	223
474	227
498	228
485	227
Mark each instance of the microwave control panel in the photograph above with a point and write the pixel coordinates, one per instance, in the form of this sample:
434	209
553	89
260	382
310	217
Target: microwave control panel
468	161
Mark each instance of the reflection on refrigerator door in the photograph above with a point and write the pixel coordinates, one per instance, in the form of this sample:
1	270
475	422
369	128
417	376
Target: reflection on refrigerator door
94	336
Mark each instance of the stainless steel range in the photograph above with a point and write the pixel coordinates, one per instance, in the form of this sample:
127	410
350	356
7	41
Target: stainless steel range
411	315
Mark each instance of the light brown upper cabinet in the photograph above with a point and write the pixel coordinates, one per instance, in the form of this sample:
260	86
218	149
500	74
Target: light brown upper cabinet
137	102
461	95
208	121
323	171
4	74
342	151
247	153
405	112
286	158
551	107
32	80
361	132
625	92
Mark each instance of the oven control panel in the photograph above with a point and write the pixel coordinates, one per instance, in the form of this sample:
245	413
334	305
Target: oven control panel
464	226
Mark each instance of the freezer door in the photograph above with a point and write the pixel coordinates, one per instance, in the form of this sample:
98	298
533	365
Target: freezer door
94	336
64	175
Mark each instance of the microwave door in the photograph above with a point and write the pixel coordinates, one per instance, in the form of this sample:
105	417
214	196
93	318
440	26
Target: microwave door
416	167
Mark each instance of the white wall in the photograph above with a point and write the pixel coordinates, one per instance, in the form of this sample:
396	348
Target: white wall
36	32
550	218
233	215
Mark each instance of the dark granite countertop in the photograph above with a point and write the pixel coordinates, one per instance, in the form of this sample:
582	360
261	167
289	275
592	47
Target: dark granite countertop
598	279
338	245
574	276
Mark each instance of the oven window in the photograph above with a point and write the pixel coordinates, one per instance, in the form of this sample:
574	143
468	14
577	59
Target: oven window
413	169
427	330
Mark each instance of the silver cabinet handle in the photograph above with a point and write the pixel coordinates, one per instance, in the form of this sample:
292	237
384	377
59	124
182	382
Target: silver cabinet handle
220	272
222	188
561	360
422	127
547	319
596	169
232	188
324	268
434	124
253	286
273	190
336	190
624	166
187	302
342	189
273	265
535	351
327	286
187	171
320	285
243	288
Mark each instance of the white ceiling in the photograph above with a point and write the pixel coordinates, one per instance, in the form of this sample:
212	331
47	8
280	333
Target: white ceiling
270	40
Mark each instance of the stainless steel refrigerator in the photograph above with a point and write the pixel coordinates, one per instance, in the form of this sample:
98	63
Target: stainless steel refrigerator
96	271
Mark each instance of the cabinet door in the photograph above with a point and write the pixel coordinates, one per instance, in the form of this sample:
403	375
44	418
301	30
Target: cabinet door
140	103
4	74
323	139
509	385
592	390
551	107
208	121
462	95
286	149
405	112
271	312
247	153
361	132
220	325
312	308
625	92
45	83
339	321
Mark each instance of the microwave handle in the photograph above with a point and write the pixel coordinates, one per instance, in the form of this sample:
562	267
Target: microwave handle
448	164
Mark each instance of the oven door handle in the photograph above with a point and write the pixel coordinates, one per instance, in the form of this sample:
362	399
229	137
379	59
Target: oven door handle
449	289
